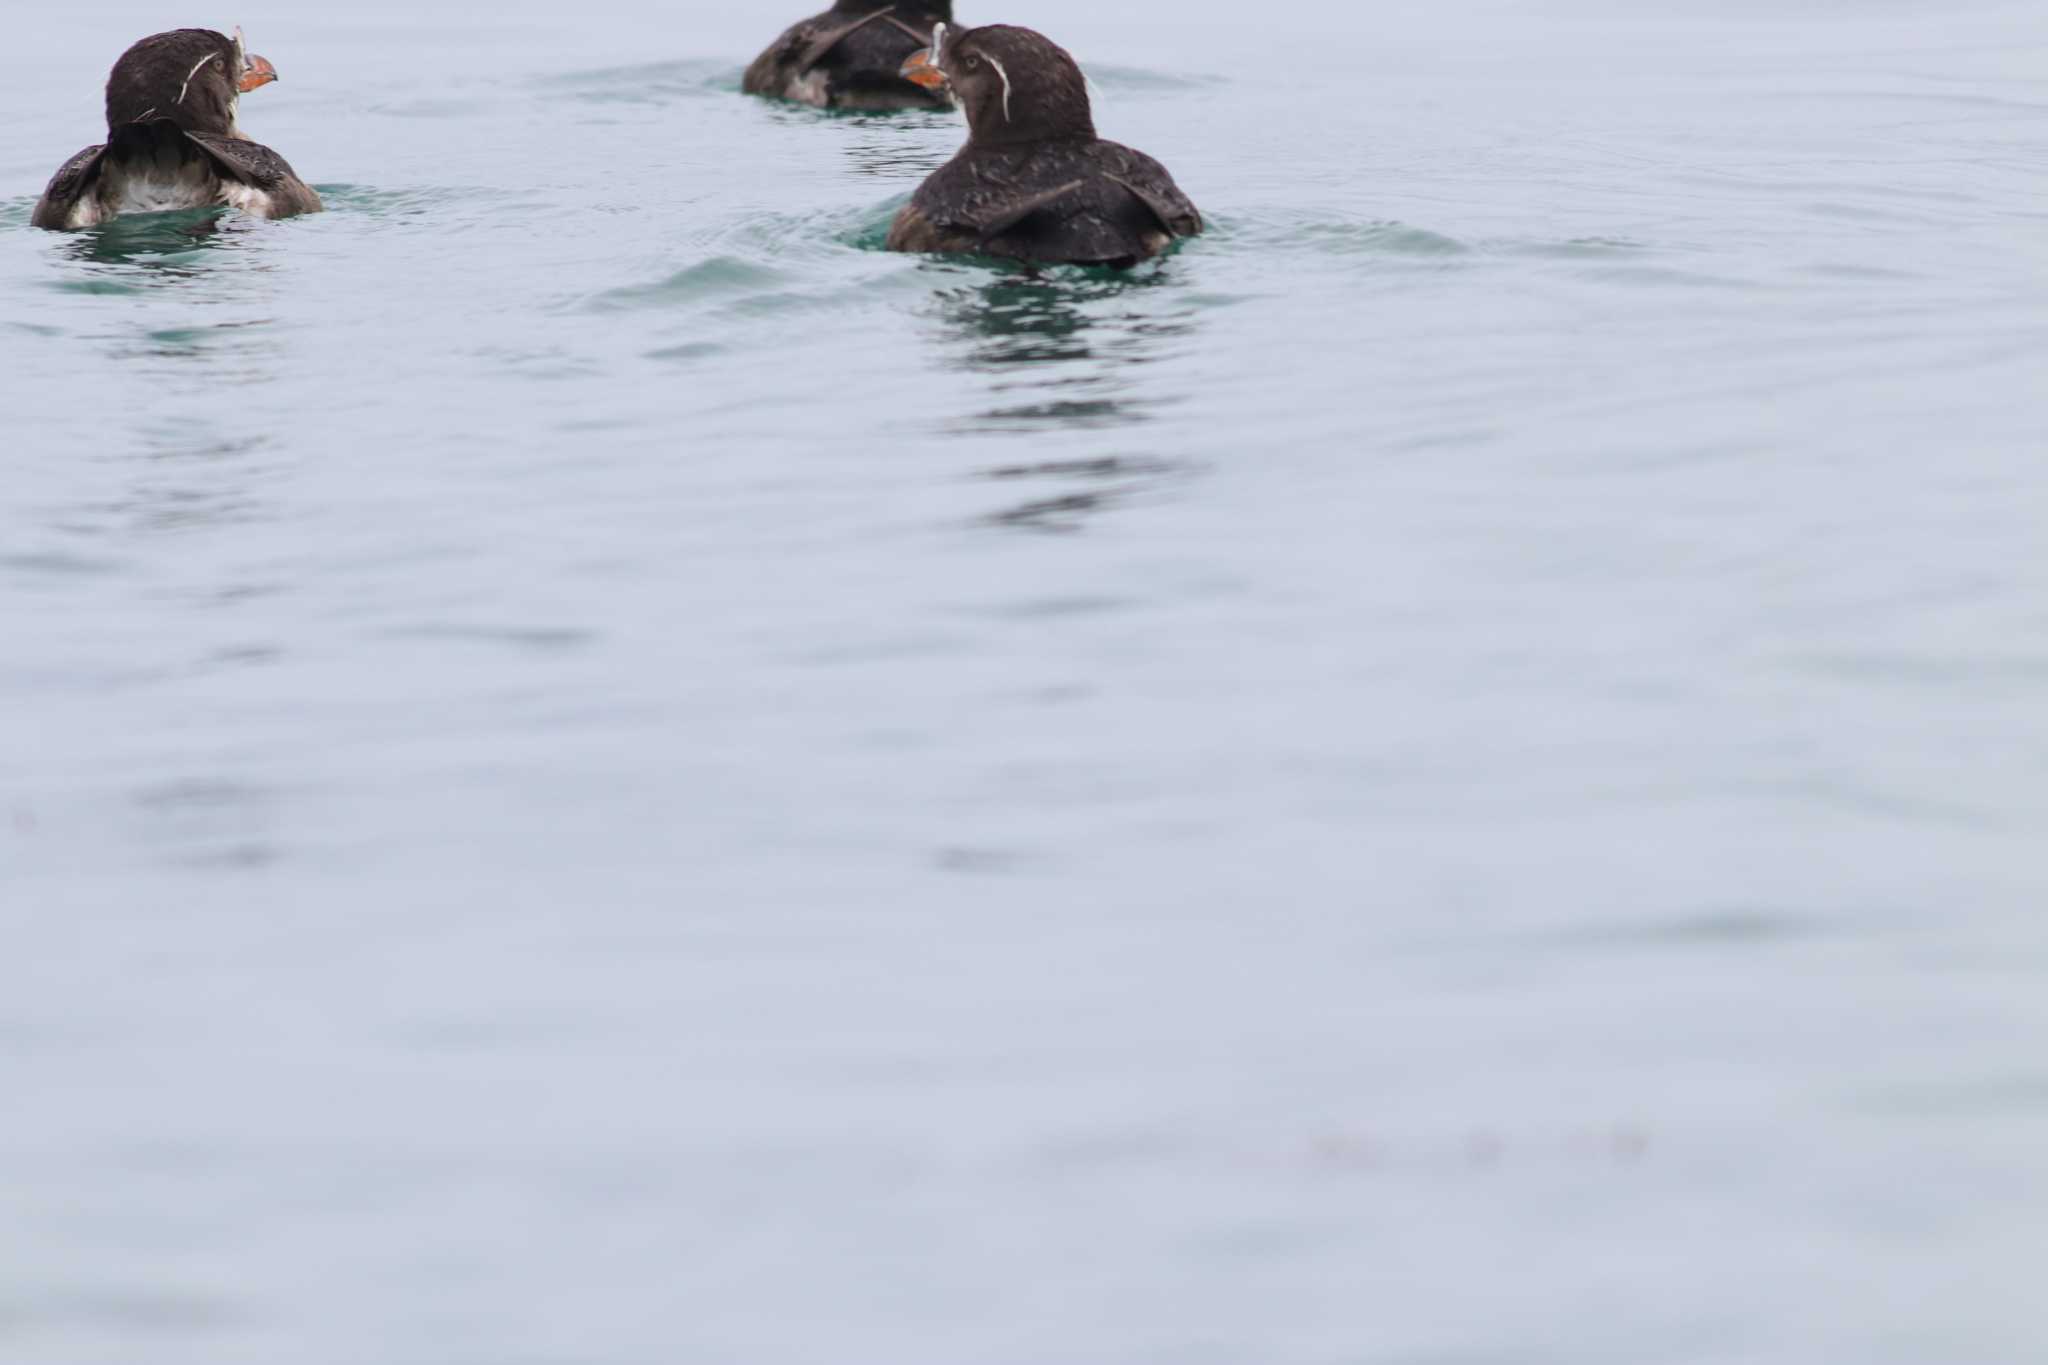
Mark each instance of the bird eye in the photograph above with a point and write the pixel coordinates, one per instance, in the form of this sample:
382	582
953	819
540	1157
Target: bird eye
973	62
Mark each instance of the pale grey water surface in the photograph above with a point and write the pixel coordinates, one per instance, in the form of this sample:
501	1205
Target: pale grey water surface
594	771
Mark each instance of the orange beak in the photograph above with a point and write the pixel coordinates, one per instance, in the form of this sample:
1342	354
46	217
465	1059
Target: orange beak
918	69
256	73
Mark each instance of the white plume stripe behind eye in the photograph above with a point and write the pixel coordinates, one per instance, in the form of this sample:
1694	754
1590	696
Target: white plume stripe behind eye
189	75
1006	84
938	43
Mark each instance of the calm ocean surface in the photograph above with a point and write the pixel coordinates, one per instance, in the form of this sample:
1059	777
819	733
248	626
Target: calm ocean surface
594	771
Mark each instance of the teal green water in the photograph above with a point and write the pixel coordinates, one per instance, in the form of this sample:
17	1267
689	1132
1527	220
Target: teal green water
595	769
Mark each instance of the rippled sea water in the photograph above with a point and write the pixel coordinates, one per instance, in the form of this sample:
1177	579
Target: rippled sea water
593	769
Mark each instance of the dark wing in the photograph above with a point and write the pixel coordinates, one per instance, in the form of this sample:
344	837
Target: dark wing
1151	185
768	72
1174	210
802	46
1090	203
913	231
252	163
66	187
995	219
922	37
823	39
882	57
968	224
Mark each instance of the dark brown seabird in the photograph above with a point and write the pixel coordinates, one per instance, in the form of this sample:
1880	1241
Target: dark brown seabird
173	141
1034	182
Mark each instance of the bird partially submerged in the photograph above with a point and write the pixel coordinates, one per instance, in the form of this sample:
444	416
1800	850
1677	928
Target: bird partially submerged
1034	182
850	57
173	140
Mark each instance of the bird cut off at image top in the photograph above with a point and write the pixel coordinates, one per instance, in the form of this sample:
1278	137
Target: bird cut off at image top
851	57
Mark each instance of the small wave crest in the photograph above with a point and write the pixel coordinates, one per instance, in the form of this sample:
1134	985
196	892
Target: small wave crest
648	83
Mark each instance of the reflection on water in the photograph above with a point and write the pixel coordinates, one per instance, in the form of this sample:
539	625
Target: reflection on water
238	340
1033	315
879	147
157	241
187	331
1089	486
192	476
207	820
1064	349
1068	352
